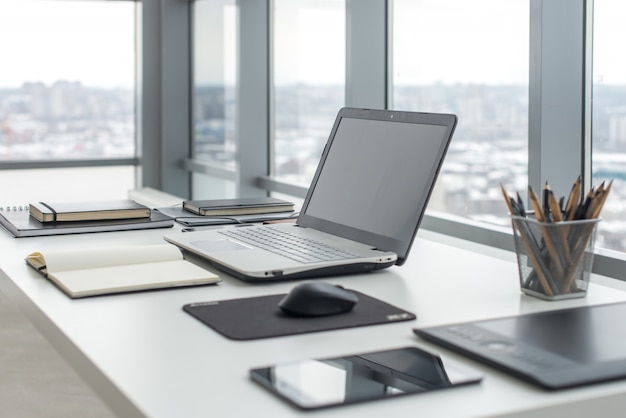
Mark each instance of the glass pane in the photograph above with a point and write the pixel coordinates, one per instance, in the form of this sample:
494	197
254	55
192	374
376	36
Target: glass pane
469	58
609	117
309	82
212	187
66	184
67	79
214	81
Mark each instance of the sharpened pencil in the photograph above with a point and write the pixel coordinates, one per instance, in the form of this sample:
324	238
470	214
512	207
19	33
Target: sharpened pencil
507	199
536	204
594	212
555	208
573	199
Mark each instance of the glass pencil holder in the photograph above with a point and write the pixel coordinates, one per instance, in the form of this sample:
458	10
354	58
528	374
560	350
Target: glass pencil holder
554	258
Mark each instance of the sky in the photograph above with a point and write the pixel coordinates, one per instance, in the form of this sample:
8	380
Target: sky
454	41
39	40
609	40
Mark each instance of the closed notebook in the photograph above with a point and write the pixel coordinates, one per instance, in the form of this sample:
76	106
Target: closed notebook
20	224
88	211
91	272
243	206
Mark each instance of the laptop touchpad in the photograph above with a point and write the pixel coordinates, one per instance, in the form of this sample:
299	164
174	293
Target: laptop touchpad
219	245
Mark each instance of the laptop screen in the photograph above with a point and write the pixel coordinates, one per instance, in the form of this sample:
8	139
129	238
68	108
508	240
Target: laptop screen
374	185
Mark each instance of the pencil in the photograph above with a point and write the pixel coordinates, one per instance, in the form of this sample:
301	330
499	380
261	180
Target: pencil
555	208
594	211
547	236
583	235
528	241
536	205
507	199
561	232
573	199
556	253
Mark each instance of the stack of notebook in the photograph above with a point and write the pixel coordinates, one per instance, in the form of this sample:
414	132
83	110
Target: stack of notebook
42	218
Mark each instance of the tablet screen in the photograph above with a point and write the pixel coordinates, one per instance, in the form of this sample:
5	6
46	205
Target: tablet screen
311	384
582	335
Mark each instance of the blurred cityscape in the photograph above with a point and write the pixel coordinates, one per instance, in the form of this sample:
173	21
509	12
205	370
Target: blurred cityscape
66	121
69	120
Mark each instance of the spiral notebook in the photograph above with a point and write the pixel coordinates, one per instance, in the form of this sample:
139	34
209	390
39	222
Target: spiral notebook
17	221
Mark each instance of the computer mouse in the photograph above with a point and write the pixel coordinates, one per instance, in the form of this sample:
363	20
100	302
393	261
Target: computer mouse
318	299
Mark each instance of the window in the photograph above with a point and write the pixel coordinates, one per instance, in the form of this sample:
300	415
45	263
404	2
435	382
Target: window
510	69
308	74
67	92
470	59
609	117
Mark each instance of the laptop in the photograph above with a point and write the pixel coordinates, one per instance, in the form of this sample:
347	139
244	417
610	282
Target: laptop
362	210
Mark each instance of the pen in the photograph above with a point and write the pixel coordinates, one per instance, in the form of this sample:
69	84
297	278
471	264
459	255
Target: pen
520	204
581	211
536	205
546	203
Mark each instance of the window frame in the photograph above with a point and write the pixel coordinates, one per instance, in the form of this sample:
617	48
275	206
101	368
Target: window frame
559	96
89	162
559	103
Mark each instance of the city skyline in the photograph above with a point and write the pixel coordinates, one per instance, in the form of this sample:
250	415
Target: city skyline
493	122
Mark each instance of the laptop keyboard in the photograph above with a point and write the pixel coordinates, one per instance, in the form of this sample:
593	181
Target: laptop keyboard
295	247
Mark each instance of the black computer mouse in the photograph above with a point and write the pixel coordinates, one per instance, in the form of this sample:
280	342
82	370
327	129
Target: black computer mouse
318	299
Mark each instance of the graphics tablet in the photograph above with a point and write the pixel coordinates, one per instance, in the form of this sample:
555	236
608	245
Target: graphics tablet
312	384
556	349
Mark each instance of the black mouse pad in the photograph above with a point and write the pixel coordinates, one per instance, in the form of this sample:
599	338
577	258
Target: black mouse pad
260	317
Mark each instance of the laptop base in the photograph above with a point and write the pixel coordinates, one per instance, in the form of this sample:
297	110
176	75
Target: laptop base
277	275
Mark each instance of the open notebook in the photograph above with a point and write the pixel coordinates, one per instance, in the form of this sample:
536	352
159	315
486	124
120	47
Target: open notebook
99	271
362	210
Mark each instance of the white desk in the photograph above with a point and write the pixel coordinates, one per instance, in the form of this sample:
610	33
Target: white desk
144	356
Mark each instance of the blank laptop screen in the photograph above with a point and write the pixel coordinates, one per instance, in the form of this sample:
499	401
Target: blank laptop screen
375	178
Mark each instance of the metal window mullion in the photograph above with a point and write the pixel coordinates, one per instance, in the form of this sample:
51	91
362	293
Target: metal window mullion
210	169
253	119
165	75
149	86
557	94
366	54
176	90
54	163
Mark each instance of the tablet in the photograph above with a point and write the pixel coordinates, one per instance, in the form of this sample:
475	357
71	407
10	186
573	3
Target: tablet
555	349
312	384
